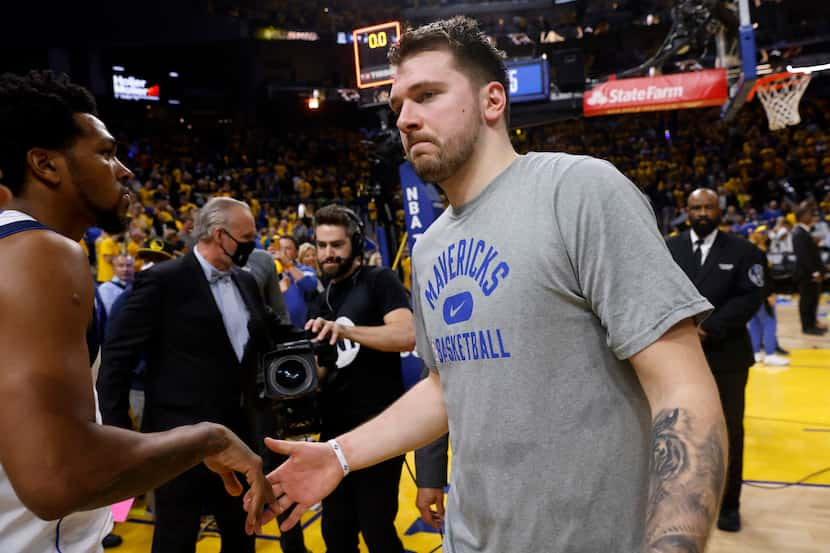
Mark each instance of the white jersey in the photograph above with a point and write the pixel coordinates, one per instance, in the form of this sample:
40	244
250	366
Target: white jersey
21	531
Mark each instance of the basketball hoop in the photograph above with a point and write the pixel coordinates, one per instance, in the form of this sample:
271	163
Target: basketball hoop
780	94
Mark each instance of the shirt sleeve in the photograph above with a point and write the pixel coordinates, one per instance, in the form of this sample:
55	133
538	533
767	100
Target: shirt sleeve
109	247
309	281
624	269
389	292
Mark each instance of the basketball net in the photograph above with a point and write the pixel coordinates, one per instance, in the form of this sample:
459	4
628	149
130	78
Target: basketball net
780	95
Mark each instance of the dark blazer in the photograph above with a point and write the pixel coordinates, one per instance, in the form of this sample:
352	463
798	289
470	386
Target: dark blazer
732	279
807	255
192	372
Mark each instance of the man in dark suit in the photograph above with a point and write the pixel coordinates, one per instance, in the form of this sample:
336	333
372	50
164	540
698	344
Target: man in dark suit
809	269
729	272
198	322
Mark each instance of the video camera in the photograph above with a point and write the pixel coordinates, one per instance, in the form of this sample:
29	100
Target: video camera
289	366
288	370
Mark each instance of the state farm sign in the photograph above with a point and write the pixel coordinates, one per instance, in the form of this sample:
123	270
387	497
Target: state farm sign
678	91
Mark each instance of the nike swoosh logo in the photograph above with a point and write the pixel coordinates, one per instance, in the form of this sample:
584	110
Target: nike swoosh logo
458	308
454	310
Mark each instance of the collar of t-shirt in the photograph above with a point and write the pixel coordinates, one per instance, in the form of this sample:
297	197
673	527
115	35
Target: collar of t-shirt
805	227
336	292
707	243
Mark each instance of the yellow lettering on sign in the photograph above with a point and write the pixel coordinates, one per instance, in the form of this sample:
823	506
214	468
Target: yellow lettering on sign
378	40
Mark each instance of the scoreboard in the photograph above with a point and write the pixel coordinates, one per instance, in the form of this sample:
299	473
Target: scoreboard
529	80
371	45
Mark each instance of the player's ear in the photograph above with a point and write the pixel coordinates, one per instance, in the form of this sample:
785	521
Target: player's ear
493	101
44	165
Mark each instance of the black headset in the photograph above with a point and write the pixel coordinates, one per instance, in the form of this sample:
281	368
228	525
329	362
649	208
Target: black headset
358	237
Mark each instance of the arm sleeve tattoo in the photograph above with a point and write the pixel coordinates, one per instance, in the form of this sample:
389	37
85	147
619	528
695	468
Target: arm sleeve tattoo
687	476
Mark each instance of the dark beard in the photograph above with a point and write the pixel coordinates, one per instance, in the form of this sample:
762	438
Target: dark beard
110	221
704	229
107	219
450	158
342	269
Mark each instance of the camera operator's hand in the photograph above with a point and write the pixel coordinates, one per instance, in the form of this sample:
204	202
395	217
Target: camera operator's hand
311	472
428	498
238	457
323	328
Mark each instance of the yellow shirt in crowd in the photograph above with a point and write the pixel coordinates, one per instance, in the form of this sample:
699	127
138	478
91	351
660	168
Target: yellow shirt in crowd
107	247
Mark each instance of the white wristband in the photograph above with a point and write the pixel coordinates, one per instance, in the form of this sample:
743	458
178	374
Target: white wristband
341	458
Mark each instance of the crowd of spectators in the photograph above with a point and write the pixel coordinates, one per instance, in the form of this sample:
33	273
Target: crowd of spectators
760	175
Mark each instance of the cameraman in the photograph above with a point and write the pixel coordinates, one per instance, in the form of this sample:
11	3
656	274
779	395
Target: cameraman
365	310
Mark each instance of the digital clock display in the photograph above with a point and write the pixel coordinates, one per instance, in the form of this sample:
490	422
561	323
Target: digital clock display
371	46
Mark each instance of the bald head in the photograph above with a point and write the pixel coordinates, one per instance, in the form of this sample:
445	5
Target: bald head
704	211
703	195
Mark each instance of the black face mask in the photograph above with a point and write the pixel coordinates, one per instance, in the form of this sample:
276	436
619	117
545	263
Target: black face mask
243	250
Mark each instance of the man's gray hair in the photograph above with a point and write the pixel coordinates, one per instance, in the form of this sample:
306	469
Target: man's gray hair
215	214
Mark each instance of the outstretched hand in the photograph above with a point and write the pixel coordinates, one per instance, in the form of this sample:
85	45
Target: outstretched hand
311	472
237	457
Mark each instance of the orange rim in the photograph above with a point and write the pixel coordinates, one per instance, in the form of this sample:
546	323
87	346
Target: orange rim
777	81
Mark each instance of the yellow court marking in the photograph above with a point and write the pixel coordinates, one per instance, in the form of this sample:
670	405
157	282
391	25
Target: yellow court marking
787	419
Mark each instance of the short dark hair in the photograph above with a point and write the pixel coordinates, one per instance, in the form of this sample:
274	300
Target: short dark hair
336	215
36	111
289	237
472	51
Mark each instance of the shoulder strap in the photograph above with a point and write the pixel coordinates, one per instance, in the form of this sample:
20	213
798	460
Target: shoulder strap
20	226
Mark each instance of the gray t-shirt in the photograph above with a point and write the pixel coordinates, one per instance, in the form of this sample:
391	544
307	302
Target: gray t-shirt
529	299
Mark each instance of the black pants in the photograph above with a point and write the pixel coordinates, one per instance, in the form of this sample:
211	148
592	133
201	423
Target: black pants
732	388
365	501
808	294
180	504
291	541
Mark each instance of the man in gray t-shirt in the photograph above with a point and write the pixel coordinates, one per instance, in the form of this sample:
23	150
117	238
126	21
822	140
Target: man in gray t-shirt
530	329
561	336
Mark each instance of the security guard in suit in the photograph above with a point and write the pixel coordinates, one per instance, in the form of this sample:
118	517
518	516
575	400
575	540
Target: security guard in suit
809	269
729	272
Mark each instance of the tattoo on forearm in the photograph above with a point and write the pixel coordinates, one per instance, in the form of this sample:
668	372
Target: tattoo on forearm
687	475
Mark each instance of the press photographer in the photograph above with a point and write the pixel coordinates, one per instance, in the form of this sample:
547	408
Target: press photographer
365	311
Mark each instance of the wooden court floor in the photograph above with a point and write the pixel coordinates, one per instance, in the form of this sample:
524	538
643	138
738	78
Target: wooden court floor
787	439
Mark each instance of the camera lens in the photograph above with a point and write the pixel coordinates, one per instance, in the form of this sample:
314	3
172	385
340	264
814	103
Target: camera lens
291	373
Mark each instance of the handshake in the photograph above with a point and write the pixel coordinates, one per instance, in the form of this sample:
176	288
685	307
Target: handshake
312	471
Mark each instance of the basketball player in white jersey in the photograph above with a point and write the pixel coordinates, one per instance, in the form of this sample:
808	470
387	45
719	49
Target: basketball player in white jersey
60	468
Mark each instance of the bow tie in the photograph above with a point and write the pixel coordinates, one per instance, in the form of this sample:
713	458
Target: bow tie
217	276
